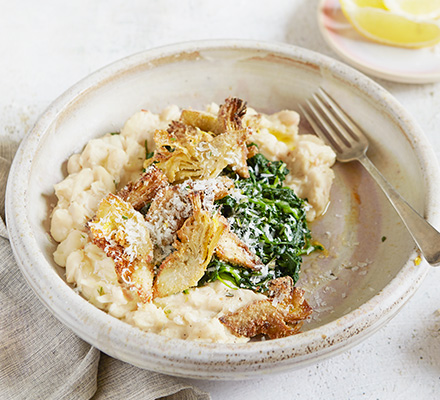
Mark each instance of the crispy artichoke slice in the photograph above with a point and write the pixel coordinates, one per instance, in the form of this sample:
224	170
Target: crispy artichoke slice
229	117
278	316
289	300
166	215
198	238
205	121
172	206
142	192
185	151
258	318
232	249
121	232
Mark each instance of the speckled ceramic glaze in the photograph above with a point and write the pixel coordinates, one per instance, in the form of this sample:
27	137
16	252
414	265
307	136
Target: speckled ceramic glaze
370	269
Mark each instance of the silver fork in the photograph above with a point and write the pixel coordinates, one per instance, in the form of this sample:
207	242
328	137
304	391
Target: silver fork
333	126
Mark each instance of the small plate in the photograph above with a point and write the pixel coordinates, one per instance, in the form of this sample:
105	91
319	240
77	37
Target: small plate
386	62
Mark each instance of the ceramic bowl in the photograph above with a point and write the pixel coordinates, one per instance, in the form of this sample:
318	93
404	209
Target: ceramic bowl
370	269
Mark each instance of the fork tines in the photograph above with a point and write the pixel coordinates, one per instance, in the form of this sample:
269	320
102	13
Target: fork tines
331	123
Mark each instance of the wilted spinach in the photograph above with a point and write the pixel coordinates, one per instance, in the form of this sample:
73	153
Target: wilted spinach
268	217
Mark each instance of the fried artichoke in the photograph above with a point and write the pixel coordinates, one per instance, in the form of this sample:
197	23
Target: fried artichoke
195	246
185	151
121	232
278	316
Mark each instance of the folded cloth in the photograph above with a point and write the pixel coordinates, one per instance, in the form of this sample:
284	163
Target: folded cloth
7	151
40	358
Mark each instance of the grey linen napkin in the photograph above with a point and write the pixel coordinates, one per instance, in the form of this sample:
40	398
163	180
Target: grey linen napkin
42	359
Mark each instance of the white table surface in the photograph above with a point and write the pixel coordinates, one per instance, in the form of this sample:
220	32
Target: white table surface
47	46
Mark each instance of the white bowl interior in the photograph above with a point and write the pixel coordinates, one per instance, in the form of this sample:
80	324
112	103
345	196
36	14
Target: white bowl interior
270	78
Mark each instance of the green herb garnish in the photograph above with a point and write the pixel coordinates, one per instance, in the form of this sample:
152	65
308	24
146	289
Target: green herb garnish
148	154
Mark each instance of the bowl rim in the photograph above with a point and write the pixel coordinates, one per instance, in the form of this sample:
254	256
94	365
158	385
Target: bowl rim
174	356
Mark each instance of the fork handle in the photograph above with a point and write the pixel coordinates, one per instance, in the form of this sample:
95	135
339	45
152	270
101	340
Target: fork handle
424	234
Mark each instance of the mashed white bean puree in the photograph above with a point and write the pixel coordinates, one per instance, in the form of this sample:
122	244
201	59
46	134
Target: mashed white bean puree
110	162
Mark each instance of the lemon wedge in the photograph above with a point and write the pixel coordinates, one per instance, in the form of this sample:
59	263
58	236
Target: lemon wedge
373	21
370	3
416	8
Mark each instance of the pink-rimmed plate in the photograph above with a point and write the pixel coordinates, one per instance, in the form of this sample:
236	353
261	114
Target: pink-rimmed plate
386	62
